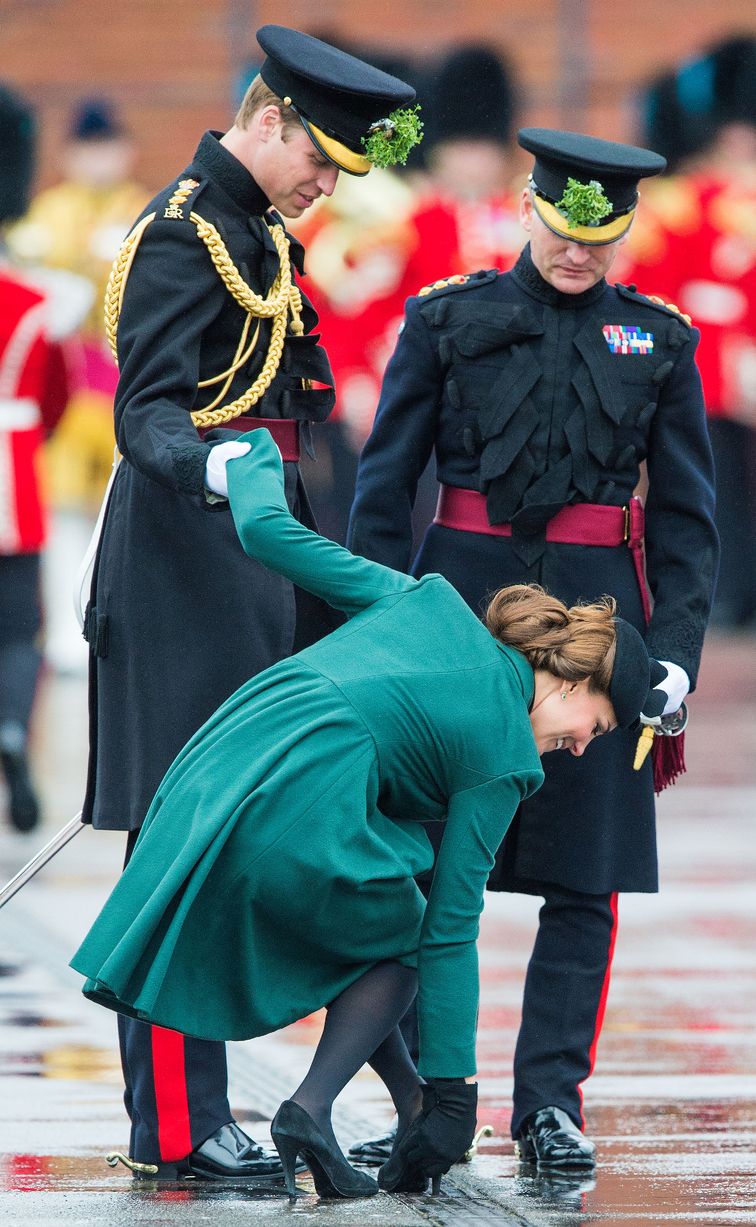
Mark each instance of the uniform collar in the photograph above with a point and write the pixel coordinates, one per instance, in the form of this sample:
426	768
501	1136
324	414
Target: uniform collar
228	172
528	277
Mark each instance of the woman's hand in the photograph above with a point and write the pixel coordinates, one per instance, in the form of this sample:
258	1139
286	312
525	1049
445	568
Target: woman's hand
438	1137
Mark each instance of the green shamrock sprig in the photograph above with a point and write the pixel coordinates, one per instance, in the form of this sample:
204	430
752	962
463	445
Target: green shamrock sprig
584	204
392	140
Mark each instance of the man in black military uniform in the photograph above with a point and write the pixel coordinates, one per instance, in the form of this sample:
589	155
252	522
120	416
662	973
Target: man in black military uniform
211	331
542	391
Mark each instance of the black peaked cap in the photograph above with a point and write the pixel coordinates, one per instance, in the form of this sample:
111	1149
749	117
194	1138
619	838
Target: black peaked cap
563	155
635	678
332	91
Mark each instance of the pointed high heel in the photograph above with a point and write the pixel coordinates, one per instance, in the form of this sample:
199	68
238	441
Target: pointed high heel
288	1149
295	1133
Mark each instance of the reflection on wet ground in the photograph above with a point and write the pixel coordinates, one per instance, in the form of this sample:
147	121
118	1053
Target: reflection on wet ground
671	1106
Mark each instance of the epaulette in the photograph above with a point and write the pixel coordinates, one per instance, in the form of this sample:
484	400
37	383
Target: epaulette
181	200
459	281
632	292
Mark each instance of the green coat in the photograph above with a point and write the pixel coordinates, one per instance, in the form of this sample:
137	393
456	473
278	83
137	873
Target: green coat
277	861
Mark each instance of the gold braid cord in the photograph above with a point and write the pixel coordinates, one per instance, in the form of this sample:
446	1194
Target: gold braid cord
282	299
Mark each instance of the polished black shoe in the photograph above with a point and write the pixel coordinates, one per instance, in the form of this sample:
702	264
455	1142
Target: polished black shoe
23	806
374	1152
549	1138
228	1154
295	1133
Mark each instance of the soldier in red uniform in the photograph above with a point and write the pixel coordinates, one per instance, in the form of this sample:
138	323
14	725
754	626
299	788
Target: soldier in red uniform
696	246
33	396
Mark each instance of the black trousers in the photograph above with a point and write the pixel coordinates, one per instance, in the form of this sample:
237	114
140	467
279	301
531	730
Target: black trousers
563	1005
20	624
176	1087
734	447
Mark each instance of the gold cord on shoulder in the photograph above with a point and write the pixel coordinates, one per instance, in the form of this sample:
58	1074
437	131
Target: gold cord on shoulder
670	307
282	300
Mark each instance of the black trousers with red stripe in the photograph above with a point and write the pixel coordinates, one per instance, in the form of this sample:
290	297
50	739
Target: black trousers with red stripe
175	1090
176	1087
564	1001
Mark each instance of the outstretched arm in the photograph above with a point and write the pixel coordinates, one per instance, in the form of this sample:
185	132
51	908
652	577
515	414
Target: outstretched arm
269	533
448	958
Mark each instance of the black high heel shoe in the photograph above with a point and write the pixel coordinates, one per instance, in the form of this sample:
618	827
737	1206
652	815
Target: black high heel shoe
295	1133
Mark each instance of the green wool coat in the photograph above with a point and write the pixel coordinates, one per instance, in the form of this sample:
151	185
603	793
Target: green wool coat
277	861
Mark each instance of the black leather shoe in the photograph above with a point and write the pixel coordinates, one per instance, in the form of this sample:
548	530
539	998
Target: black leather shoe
549	1138
23	805
374	1152
228	1154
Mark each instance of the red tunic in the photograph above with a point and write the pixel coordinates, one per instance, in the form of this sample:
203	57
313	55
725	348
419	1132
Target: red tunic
33	394
696	247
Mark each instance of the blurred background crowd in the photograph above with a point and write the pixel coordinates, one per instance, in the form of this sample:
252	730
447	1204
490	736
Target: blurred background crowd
101	105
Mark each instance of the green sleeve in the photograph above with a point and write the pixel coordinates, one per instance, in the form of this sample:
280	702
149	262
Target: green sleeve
270	533
448	958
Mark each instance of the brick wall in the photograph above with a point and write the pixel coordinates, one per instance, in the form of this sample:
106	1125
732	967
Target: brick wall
171	68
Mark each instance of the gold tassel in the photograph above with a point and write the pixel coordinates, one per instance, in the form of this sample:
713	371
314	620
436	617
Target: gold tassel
645	742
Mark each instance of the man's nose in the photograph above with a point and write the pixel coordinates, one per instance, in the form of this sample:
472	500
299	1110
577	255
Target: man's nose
327	179
578	747
578	254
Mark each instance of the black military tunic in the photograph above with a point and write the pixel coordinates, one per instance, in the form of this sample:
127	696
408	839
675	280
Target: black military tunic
540	399
180	616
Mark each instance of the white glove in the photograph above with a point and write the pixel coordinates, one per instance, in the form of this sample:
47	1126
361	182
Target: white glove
676	684
216	479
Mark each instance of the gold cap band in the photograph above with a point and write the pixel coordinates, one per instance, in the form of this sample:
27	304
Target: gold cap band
590	236
346	159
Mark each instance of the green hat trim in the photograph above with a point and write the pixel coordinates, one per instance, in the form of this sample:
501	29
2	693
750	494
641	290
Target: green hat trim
584	204
391	139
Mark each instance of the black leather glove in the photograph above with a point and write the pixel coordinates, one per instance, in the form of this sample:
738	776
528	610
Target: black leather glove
445	1128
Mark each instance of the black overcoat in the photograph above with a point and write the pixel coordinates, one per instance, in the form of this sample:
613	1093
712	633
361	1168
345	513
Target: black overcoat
179	616
517	388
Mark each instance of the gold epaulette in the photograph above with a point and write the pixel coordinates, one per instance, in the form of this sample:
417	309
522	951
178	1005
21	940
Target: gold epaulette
670	307
457	279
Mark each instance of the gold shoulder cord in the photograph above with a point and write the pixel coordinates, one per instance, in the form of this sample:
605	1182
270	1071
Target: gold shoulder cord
282	298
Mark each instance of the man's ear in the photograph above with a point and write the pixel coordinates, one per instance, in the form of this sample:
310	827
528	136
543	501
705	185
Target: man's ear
268	122
526	209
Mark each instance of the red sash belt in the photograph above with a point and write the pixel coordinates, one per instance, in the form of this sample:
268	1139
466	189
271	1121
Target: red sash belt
285	432
583	524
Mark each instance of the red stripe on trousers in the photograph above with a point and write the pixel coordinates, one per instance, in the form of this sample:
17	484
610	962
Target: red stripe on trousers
171	1099
601	1006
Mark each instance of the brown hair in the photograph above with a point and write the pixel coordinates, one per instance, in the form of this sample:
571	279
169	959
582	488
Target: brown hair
259	95
572	644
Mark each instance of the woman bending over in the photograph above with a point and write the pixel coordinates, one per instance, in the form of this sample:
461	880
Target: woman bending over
275	871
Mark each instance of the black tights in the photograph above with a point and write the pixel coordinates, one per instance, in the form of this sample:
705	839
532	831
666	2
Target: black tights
361	1028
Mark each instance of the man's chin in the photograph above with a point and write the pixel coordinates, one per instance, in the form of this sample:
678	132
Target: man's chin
573	285
288	209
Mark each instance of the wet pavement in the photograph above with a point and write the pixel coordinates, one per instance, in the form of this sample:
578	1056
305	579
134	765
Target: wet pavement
672	1105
